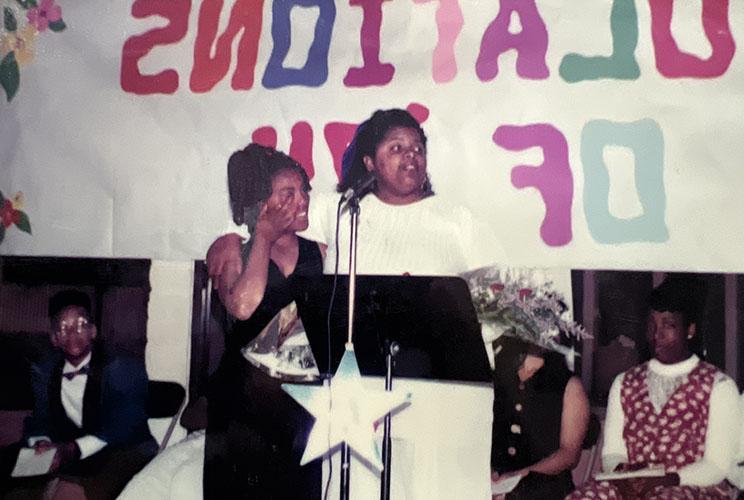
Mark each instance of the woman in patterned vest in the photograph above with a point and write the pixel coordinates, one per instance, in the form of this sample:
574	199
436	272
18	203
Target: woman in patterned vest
674	412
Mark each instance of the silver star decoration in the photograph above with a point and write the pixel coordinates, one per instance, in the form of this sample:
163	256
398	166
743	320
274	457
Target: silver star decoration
345	412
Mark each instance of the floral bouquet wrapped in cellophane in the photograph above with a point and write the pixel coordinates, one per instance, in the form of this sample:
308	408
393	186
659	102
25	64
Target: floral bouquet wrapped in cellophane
523	303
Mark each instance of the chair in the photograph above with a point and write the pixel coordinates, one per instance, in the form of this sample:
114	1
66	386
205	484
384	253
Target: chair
164	402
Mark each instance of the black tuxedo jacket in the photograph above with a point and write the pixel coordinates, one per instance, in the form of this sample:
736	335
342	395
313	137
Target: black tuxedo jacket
113	403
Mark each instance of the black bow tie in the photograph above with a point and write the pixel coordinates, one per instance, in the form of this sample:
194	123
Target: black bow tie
83	370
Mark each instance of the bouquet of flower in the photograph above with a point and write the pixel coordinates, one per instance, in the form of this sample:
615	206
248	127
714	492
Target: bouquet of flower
513	302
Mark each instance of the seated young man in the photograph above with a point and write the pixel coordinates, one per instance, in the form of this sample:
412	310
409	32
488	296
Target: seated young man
88	407
674	411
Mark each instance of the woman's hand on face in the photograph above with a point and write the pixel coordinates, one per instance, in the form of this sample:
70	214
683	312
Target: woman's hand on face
273	220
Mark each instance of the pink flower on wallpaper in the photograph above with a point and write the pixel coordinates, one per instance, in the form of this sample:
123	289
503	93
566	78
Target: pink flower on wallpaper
47	12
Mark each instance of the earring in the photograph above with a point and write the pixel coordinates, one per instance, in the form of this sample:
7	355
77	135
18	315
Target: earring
426	185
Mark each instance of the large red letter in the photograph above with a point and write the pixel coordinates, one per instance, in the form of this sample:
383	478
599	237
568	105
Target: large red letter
673	63
373	72
138	46
246	16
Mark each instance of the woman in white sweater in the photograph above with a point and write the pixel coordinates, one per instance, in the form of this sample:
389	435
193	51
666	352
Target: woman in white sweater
403	227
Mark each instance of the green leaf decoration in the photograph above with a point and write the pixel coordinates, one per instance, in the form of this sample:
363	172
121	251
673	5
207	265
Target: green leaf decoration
24	224
10	77
9	19
31	3
23	3
2	233
57	26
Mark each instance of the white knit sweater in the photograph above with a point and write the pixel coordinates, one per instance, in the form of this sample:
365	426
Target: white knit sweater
429	237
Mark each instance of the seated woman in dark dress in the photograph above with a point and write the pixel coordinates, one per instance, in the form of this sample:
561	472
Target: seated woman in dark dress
541	414
256	432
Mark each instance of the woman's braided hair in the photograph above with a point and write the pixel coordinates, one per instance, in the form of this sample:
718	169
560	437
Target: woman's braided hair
250	172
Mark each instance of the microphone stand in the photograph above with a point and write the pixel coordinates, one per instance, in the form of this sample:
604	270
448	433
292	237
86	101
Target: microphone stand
345	450
392	349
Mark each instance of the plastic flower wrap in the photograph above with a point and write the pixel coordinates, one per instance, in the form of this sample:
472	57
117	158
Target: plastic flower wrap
282	349
517	303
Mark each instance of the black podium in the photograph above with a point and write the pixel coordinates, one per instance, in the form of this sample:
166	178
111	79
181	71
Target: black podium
431	318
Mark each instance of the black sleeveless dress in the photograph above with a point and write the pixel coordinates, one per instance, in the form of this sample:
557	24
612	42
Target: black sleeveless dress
256	433
527	420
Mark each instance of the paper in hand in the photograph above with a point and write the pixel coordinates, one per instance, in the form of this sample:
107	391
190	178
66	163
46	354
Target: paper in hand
31	464
648	472
505	486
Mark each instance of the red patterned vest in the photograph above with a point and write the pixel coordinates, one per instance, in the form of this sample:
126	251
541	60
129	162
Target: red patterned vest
675	437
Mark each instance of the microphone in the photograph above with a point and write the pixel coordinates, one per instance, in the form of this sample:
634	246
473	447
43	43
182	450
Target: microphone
360	189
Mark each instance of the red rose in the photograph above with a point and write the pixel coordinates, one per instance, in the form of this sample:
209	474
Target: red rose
496	287
7	214
524	293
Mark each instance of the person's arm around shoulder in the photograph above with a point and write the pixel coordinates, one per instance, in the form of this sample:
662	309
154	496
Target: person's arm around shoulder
224	262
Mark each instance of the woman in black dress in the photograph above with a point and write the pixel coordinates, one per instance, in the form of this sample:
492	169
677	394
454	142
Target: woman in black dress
541	414
255	431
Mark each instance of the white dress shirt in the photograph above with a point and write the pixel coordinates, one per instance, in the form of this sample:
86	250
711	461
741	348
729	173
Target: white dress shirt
71	394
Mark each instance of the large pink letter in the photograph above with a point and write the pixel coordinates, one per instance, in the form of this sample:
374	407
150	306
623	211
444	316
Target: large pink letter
138	46
531	43
301	147
338	135
265	136
449	25
553	178
373	72
673	63
246	16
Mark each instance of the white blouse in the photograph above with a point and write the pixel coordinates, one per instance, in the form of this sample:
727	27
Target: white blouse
723	419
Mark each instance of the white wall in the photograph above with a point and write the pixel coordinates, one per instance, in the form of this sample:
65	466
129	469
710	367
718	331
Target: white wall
169	321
